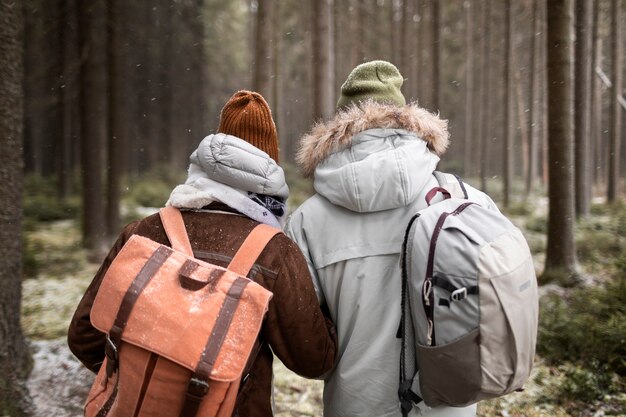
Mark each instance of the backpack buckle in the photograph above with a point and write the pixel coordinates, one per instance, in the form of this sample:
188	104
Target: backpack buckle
458	295
198	387
110	350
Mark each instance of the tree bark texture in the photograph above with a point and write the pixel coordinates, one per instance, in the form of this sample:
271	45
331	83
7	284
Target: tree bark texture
487	85
14	356
615	107
262	81
69	97
469	87
435	21
507	160
582	108
532	119
115	138
561	249
323	106
92	36
596	95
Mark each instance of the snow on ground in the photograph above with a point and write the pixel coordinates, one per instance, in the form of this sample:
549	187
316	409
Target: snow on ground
59	384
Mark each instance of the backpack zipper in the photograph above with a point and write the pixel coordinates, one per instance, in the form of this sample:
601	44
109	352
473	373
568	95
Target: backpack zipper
428	295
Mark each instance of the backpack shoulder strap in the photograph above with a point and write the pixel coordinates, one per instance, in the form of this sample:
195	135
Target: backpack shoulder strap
452	183
175	230
251	248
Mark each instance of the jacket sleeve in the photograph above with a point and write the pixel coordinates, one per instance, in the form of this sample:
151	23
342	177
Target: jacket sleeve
294	230
300	335
85	341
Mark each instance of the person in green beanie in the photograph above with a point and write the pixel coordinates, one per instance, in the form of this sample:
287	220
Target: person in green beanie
372	165
379	81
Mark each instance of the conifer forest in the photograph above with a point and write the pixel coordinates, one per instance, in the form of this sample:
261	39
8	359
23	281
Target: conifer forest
103	101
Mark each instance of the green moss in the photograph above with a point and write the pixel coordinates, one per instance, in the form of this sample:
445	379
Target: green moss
588	326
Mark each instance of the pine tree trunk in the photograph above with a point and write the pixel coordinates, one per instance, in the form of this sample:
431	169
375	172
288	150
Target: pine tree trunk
469	88
507	159
582	105
615	107
14	355
323	106
115	137
435	23
69	97
479	104
596	96
262	82
561	250
532	111
486	94
92	35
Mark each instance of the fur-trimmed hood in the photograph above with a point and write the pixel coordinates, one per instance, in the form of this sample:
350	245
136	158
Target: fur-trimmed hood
326	138
374	157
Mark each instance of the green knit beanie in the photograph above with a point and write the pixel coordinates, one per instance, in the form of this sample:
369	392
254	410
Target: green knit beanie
376	80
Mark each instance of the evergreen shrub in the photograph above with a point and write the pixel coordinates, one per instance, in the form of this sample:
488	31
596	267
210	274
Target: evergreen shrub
586	327
41	203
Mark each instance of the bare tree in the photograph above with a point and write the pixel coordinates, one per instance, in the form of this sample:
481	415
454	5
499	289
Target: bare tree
262	81
616	91
561	249
596	92
115	112
69	96
532	119
92	40
357	50
507	160
435	22
486	94
469	86
583	105
14	356
323	82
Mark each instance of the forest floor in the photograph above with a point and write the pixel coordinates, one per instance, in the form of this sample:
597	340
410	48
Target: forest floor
59	383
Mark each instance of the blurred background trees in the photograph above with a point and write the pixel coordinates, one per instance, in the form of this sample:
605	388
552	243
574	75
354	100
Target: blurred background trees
115	90
116	95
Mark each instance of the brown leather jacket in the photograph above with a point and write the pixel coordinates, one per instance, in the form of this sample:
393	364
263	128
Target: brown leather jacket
295	329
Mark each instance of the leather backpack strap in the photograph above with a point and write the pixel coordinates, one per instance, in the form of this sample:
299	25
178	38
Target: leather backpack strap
241	264
251	248
174	227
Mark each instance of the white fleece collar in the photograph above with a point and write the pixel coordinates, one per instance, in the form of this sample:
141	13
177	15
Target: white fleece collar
203	191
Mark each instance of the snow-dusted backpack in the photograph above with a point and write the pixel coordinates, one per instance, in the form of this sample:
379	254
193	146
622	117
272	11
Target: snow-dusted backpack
179	330
469	303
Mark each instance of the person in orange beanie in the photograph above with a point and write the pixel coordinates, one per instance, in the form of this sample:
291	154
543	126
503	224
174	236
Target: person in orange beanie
233	184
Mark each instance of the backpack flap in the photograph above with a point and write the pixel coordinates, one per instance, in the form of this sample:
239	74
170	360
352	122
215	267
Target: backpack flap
179	306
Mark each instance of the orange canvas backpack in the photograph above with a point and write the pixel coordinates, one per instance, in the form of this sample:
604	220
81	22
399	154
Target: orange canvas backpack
179	330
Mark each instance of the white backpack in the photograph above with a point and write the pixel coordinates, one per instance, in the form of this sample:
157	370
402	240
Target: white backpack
469	303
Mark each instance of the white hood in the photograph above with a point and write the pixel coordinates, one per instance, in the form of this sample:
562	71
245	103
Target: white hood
225	168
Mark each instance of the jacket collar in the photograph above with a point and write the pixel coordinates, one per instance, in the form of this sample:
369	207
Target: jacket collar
326	138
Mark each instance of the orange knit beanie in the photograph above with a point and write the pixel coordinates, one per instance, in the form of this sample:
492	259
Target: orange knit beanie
247	116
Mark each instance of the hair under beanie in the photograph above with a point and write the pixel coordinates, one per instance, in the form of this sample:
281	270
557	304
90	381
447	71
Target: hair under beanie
376	80
247	116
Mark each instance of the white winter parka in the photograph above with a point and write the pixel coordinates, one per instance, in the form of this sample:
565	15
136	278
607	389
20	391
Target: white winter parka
372	167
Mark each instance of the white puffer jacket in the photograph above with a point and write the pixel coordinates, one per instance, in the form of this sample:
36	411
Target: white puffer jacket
372	168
